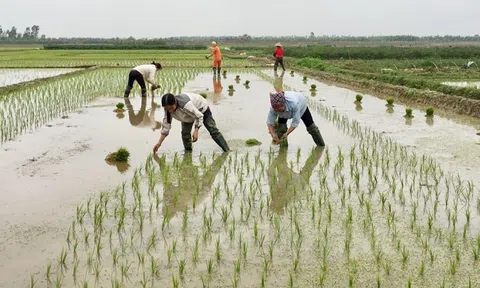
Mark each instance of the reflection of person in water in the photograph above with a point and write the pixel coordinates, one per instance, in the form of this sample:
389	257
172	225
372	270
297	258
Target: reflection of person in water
179	196
142	118
217	90
282	187
278	82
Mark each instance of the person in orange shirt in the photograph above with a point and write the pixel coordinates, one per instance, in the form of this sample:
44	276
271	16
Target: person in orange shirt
217	58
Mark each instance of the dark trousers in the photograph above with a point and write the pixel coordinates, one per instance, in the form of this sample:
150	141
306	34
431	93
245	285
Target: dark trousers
278	60
133	76
306	118
209	124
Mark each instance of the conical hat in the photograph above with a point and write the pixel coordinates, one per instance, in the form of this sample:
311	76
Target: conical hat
278	44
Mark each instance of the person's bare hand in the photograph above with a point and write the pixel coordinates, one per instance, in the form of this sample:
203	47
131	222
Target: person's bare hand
275	138
195	136
155	148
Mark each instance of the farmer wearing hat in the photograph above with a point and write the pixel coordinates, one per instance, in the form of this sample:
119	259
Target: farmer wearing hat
290	105
190	109
141	74
278	54
217	58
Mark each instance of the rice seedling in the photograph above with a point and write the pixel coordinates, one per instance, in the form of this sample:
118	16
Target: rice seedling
429	112
390	101
313	87
408	113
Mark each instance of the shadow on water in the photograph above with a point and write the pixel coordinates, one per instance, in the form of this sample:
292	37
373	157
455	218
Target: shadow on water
285	184
143	118
189	184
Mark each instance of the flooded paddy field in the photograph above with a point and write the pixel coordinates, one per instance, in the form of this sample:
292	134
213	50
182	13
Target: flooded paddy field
374	208
15	76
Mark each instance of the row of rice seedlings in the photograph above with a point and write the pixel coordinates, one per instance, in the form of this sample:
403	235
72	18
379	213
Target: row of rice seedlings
242	227
197	62
30	108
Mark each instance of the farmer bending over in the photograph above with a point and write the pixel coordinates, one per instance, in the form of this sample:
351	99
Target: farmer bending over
141	74
190	109
290	105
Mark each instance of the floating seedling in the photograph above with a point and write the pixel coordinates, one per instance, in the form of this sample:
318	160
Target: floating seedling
120	107
204	95
246	84
408	113
121	155
305	79
429	112
313	87
253	142
358	99
390	101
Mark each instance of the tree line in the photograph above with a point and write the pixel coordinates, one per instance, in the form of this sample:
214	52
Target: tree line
30	33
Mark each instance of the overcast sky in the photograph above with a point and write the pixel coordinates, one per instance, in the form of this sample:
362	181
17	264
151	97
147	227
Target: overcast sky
150	18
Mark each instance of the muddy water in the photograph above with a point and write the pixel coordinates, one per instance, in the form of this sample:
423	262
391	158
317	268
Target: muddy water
47	173
297	216
456	146
15	76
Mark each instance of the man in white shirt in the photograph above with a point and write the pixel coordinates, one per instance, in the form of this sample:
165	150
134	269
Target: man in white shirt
190	109
141	74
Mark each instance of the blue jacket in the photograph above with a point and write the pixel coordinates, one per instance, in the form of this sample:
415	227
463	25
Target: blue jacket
295	106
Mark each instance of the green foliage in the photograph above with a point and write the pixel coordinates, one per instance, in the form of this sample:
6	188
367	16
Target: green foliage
230	87
121	155
313	87
429	112
390	101
312	63
120	105
358	97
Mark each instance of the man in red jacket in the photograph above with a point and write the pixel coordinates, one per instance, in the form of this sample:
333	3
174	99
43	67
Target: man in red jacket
278	54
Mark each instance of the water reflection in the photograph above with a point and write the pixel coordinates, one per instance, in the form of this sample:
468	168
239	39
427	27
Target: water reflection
358	106
429	121
184	182
408	121
217	90
390	110
278	81
143	118
284	183
122	167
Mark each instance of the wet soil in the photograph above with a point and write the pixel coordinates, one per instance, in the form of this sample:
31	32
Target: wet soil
15	76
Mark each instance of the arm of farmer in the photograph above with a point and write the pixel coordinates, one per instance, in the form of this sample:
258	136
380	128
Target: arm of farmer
150	79
198	118
295	123
166	125
272	115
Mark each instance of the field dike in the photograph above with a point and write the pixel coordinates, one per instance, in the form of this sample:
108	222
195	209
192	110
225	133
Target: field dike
418	97
362	212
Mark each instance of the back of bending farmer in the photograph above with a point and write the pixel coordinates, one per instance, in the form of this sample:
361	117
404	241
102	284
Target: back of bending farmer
190	109
141	74
290	105
217	58
278	54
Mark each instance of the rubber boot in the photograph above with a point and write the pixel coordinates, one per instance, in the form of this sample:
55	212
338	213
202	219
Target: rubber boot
315	132
214	71
144	92
218	71
222	143
187	143
281	130
127	91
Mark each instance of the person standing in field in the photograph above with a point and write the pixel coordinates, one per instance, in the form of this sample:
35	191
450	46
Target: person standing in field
190	109
278	54
217	58
141	74
290	105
